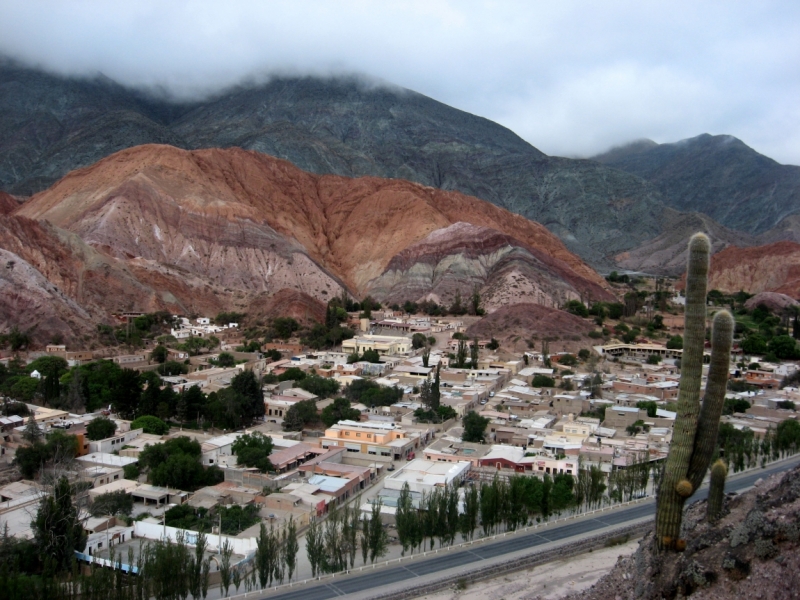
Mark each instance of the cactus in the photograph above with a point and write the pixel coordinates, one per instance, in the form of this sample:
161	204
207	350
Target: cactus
695	432
716	492
708	424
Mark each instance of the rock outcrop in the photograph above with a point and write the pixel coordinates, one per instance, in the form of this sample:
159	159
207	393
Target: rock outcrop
753	551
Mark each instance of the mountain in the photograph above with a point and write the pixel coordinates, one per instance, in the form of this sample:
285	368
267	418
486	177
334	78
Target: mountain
156	227
50	125
719	176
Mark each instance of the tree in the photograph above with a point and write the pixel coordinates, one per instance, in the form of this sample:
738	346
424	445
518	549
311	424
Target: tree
784	347
543	381
113	503
418	340
475	302
378	539
474	427
226	359
225	551
494	345
473	354
57	529
125	392
404	518
324	387
675	343
456	307
292	420
650	406
315	547
469	519
100	428
246	383
290	548
461	354
300	414
159	354
339	410
576	307
754	344
292	374
436	395
371	356
150	424
32	433
253	450
568	360
653	359
426	356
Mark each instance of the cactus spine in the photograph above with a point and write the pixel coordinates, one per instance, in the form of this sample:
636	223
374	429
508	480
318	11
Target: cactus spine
691	450
716	492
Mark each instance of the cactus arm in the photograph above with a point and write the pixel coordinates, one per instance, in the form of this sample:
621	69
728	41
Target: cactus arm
705	441
670	502
716	491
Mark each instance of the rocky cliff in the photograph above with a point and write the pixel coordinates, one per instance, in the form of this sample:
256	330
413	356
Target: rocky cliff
156	227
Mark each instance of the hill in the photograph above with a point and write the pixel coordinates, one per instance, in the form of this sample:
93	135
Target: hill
207	230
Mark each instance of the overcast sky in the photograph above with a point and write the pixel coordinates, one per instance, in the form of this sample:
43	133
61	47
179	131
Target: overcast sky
572	78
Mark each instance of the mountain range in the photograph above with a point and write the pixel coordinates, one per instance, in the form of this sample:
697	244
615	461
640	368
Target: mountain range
129	201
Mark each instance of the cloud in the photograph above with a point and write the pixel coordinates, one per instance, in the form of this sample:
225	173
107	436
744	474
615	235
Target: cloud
573	78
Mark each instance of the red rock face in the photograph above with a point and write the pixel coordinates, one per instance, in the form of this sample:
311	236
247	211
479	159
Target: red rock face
155	227
770	268
8	203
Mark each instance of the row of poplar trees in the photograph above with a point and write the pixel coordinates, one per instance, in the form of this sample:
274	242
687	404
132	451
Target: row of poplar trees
494	506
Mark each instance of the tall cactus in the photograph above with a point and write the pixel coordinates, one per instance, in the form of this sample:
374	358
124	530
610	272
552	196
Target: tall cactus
716	491
691	450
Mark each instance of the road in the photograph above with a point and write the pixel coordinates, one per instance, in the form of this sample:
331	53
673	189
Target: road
356	583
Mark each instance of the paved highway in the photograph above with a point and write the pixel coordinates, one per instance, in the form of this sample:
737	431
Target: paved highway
353	583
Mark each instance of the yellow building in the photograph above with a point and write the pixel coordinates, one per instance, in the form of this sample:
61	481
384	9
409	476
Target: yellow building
382	344
374	440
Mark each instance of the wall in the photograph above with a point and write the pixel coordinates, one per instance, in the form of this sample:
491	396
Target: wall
154	531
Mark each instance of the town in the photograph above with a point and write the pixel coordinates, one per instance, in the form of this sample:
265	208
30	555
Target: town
243	459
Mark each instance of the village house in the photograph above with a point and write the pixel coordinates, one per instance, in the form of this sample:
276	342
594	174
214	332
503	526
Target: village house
373	440
382	344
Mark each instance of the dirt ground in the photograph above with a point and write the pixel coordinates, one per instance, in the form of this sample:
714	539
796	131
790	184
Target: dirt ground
552	580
